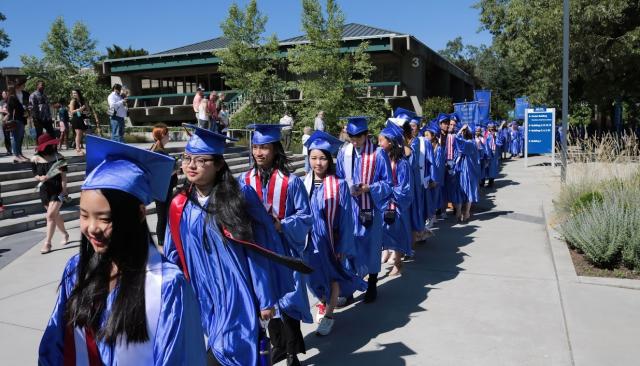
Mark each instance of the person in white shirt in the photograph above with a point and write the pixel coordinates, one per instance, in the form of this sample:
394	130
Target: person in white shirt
203	114
318	124
287	121
117	112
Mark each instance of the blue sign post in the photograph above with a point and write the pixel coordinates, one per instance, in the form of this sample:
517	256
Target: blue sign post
539	132
483	97
521	105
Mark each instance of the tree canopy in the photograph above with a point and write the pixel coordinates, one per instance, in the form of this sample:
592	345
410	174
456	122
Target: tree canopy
5	41
116	51
68	63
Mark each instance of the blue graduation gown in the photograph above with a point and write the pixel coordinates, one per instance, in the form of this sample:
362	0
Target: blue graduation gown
482	157
435	172
493	156
232	283
325	268
368	239
418	208
468	166
397	236
505	136
178	340
453	192
295	227
515	141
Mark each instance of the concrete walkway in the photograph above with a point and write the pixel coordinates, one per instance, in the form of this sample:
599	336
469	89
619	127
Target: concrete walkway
496	291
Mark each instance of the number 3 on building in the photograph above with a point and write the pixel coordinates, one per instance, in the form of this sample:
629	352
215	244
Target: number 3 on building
415	62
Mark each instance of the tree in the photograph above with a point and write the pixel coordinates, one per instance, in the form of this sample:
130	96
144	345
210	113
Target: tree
434	105
68	63
604	50
250	62
329	80
116	51
5	41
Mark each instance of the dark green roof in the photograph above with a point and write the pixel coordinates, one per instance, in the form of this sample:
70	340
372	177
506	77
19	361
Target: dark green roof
204	46
351	30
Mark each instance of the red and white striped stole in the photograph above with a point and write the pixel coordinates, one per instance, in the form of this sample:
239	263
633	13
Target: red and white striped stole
367	170
450	138
394	175
331	197
276	191
492	145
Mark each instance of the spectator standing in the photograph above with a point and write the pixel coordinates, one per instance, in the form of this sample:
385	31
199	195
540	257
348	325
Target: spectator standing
344	136
318	124
117	113
16	112
63	123
223	116
41	110
77	113
197	98
212	111
286	121
203	114
4	117
53	189
161	139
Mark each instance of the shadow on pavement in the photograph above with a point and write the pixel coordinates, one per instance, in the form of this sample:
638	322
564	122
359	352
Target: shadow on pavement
399	299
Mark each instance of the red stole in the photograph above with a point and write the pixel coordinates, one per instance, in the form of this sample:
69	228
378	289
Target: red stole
394	166
331	197
367	170
276	191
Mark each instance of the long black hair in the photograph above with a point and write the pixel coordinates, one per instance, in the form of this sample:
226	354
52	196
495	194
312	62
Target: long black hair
227	205
280	160
397	151
128	249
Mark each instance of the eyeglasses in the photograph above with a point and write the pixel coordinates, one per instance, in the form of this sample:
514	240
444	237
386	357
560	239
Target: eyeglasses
200	162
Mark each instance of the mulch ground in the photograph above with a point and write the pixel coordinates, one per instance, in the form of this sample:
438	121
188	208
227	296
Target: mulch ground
584	268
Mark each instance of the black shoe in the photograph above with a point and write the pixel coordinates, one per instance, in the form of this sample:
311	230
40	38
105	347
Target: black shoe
292	360
490	183
372	289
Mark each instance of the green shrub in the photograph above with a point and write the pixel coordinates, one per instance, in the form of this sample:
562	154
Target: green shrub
586	200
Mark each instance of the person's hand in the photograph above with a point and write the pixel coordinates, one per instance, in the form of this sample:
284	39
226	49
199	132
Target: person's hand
356	190
365	188
277	224
433	184
41	178
267	314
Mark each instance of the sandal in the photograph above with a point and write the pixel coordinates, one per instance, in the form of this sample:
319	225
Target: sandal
46	249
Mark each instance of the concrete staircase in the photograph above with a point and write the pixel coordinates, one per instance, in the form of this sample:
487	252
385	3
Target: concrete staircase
24	211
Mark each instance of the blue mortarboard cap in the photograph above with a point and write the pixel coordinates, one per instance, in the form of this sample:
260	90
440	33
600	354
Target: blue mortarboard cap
323	141
454	117
393	132
114	165
205	142
265	133
442	117
404	114
416	120
433	127
491	124
357	124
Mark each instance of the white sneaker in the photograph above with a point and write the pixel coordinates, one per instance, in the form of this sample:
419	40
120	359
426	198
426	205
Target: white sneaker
321	309
325	326
430	223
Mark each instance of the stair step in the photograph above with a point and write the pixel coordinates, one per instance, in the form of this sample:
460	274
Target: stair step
25	215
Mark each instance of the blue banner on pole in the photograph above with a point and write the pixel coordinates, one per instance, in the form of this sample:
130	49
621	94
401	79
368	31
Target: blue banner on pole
540	130
483	97
468	113
521	105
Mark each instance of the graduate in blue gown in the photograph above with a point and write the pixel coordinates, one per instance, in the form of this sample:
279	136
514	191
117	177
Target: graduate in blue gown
515	140
468	167
396	227
120	302
283	195
453	192
331	248
236	287
434	174
504	134
367	170
493	146
482	158
414	149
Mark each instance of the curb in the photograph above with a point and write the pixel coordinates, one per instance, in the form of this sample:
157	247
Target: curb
565	268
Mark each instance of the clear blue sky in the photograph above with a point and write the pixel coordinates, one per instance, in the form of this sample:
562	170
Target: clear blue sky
162	24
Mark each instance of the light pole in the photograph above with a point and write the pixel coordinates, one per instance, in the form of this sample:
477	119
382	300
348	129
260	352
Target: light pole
565	88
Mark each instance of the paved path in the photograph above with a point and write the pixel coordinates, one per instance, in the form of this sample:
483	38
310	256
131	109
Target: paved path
491	292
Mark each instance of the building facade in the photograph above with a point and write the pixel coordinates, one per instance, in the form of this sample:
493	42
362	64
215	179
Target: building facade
161	86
